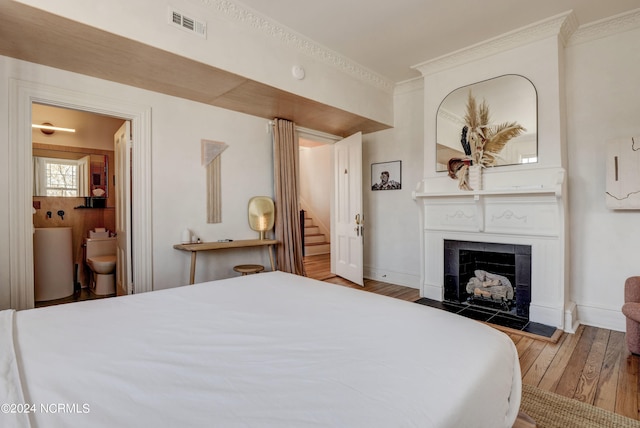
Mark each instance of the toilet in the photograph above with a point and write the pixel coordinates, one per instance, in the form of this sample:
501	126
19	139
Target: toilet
100	255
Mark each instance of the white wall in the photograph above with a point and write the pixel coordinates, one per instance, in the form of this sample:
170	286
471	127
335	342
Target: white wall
316	183
392	238
178	189
587	94
179	186
5	286
603	103
540	62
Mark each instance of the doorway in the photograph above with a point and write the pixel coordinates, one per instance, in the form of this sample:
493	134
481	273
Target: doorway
22	95
73	175
316	191
330	196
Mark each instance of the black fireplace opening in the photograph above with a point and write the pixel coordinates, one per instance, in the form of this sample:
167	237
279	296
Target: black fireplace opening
488	275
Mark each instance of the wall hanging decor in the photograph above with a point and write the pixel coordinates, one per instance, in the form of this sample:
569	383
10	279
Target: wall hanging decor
482	142
211	160
623	174
386	175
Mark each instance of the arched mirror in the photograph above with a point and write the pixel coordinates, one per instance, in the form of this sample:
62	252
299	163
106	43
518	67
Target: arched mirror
261	214
509	98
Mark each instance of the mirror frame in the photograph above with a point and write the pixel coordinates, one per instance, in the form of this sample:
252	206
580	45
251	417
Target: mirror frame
452	109
77	152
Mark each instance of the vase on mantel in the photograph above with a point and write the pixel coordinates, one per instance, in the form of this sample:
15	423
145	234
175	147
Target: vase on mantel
475	177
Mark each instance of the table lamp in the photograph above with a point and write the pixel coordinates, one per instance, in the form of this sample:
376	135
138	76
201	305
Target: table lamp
261	214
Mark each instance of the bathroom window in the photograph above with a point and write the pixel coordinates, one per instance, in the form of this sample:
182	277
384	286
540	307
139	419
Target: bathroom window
60	177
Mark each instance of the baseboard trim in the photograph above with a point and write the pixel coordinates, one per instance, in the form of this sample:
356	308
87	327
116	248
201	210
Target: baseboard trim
397	278
608	318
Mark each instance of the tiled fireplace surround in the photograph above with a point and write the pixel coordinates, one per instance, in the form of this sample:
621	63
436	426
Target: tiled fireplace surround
462	259
521	213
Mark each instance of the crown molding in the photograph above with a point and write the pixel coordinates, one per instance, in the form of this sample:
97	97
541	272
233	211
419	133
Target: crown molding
257	21
409	85
562	26
450	116
606	27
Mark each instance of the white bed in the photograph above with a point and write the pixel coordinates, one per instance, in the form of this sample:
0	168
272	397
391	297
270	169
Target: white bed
265	350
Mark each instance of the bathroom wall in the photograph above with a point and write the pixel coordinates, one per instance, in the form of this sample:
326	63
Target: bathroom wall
80	220
95	153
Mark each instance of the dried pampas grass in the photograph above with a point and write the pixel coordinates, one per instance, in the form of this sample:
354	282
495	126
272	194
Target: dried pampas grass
481	141
487	140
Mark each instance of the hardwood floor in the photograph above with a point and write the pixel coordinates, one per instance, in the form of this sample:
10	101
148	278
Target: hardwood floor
593	365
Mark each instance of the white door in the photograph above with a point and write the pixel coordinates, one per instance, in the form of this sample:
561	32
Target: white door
347	243
122	141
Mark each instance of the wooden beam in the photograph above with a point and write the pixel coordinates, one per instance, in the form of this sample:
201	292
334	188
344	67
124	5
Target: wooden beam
38	36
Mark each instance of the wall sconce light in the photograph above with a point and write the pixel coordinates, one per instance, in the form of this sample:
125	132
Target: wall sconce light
48	129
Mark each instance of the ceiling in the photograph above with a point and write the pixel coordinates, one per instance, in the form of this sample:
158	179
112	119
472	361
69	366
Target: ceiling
90	127
388	37
37	36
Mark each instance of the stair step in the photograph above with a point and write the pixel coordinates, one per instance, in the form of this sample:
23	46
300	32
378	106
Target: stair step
314	241
311	230
317	248
314	238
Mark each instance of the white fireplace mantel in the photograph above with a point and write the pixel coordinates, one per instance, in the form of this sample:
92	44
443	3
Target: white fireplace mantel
528	210
509	181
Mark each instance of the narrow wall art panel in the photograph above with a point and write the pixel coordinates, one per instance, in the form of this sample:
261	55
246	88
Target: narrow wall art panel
623	173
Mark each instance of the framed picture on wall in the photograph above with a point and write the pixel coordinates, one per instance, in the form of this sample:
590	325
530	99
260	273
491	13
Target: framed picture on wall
386	175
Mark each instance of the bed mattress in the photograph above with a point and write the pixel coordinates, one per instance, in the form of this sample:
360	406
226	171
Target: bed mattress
265	350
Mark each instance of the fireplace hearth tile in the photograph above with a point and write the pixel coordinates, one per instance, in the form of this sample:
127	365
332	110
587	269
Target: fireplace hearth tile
539	329
507	321
446	306
476	314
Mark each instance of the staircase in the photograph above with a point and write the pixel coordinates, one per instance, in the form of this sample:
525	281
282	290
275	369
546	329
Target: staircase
315	242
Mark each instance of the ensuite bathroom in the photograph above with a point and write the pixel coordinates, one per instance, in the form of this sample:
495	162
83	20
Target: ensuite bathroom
74	205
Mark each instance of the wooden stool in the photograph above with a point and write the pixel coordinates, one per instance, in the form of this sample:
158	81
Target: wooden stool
247	269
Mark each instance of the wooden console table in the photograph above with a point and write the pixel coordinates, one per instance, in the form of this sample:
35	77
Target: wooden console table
209	246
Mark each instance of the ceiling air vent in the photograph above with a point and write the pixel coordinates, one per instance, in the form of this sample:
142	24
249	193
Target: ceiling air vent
187	23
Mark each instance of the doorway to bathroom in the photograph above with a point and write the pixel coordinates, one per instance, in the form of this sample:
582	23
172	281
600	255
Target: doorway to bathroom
74	171
20	171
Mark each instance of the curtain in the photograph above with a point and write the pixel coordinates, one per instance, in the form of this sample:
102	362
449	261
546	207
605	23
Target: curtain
39	177
285	170
83	176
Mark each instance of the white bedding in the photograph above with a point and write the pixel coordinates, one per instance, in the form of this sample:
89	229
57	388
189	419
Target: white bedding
265	350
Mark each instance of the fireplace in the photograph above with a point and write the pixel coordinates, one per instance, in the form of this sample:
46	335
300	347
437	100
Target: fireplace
519	209
491	275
